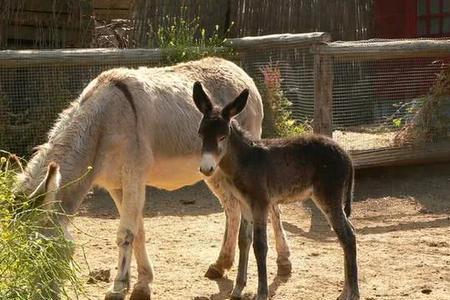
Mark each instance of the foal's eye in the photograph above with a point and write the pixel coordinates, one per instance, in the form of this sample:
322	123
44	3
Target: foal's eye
221	138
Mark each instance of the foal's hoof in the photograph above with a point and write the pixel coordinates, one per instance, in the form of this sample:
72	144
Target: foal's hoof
114	296
348	296
284	269
214	272
141	292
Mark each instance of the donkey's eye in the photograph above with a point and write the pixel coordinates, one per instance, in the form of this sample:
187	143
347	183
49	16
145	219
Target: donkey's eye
221	138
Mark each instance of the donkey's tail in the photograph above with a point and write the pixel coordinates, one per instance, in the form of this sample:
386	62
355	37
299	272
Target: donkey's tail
349	193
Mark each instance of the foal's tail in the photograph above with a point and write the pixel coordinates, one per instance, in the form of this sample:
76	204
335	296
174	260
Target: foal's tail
349	192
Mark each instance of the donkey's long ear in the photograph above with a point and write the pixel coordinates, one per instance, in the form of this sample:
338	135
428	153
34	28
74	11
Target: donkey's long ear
49	185
235	107
201	100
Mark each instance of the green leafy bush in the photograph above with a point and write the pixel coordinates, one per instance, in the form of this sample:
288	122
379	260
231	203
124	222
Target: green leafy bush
182	40
32	265
278	121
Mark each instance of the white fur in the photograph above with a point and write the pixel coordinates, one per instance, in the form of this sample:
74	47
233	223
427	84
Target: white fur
159	146
208	163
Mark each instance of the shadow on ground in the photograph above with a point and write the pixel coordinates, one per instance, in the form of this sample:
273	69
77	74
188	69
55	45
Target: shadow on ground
190	200
428	185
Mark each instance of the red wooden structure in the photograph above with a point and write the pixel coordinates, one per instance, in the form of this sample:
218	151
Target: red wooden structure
412	18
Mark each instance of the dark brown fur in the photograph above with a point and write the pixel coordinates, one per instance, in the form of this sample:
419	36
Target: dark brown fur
262	172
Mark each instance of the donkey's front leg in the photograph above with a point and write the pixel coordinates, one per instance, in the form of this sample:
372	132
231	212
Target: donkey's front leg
131	212
260	249
283	261
232	214
245	240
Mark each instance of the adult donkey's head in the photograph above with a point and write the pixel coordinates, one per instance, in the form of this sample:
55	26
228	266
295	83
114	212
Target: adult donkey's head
214	127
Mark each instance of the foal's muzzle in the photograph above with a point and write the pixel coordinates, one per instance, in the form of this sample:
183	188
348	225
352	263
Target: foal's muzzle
207	164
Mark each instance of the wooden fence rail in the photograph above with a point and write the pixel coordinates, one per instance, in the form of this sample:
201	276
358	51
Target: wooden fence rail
325	54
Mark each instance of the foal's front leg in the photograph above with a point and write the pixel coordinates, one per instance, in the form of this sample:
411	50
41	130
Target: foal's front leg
260	248
245	240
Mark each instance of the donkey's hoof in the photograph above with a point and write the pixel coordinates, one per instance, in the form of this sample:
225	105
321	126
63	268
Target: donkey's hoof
284	269
141	292
214	272
111	295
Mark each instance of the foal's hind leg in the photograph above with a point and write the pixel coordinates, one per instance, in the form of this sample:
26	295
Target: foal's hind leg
344	231
232	214
130	213
283	262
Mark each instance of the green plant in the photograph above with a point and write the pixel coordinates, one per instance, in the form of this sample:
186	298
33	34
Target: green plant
182	40
32	265
278	121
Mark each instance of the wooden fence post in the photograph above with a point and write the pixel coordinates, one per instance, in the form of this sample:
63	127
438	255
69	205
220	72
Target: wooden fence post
323	95
323	121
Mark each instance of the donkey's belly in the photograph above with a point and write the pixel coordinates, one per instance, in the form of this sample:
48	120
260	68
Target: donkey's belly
174	173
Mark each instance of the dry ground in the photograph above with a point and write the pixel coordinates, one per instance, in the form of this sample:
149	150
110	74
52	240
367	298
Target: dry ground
401	215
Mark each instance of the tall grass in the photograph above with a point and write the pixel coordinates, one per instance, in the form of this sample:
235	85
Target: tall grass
33	263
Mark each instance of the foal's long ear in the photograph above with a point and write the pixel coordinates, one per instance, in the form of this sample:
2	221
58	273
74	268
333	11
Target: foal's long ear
235	107
201	100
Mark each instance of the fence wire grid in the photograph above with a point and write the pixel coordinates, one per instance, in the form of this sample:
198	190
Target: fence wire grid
32	96
373	100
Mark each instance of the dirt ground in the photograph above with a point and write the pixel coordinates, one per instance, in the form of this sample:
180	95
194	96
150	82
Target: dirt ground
402	220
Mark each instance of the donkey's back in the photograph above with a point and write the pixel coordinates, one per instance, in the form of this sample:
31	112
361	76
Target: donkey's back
160	117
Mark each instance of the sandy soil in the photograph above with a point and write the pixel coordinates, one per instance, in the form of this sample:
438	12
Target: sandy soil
401	215
353	140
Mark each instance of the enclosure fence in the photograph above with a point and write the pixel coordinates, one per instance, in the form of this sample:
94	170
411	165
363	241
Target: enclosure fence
385	101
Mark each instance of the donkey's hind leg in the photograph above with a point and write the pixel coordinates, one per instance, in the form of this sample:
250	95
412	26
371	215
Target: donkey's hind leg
232	214
283	261
334	212
131	207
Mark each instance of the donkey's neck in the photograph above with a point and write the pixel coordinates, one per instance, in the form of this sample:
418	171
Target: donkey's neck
72	151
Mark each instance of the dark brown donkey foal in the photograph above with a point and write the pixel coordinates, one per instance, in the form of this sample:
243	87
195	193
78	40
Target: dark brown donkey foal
260	172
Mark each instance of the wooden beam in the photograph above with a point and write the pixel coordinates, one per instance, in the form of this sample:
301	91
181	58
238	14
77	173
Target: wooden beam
323	95
14	58
383	49
397	156
279	40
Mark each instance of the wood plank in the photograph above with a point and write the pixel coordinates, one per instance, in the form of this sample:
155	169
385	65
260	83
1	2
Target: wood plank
43	19
112	4
279	40
406	155
109	14
40	5
323	95
384	49
31	33
15	58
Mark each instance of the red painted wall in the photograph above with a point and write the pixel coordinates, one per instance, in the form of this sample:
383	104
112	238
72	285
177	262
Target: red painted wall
395	18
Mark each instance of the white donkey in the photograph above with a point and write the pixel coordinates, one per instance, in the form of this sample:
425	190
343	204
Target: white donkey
138	127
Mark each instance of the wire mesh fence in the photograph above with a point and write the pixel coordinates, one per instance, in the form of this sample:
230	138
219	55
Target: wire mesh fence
376	102
33	94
